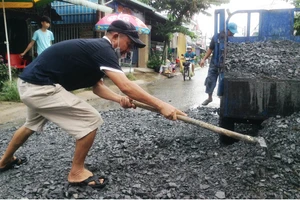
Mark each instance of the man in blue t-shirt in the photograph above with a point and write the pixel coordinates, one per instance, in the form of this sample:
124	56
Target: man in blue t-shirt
44	88
213	70
43	37
190	54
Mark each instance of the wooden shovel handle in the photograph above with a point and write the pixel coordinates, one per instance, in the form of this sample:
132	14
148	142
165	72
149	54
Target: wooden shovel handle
205	125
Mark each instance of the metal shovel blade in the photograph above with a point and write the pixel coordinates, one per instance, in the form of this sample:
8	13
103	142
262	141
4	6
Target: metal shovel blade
261	142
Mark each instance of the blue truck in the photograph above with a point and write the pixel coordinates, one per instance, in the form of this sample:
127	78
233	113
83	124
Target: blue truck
253	100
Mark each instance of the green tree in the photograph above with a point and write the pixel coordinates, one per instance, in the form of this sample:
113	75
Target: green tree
297	17
145	1
179	12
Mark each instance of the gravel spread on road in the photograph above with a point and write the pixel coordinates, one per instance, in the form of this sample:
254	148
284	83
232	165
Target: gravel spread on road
145	155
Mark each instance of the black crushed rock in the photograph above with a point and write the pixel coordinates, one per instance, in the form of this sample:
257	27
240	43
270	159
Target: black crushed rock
147	156
279	59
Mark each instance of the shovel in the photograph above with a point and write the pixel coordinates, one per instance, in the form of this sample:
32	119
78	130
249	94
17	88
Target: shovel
259	140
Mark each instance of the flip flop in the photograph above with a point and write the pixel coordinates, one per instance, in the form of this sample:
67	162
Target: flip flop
206	102
16	162
91	179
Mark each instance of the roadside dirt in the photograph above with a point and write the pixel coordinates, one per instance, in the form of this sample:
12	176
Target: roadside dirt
12	113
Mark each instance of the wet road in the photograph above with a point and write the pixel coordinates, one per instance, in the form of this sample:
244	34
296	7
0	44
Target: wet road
183	94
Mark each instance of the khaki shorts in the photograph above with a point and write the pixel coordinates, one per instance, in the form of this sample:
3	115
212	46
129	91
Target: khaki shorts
54	103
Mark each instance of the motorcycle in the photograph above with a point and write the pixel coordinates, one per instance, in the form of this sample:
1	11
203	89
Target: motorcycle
187	69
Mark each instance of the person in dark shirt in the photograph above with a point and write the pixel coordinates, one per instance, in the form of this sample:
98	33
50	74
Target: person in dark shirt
44	88
213	71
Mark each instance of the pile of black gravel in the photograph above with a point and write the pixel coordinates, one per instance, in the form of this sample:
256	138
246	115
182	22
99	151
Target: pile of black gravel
273	59
146	156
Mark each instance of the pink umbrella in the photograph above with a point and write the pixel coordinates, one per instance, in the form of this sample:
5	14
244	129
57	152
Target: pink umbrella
104	22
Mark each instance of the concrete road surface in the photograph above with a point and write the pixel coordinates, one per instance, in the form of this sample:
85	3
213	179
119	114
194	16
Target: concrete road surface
183	94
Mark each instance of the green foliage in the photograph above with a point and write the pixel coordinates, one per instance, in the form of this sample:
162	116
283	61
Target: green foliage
202	55
180	11
296	3
131	76
9	91
4	72
297	24
297	18
42	3
183	10
155	61
145	1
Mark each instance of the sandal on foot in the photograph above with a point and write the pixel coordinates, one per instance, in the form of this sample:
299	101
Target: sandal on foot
206	102
16	162
94	178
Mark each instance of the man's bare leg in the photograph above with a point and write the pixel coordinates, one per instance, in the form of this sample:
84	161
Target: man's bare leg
78	173
210	97
20	136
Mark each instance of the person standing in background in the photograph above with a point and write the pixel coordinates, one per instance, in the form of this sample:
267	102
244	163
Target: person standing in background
43	37
213	70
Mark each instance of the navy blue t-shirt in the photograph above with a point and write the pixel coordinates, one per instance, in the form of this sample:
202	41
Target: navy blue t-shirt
74	64
220	36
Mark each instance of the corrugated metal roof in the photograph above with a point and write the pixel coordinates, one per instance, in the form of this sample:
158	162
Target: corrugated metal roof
71	13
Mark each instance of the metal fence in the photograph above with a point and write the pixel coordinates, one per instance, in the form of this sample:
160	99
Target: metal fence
72	31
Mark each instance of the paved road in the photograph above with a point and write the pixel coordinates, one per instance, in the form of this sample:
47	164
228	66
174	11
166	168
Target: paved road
183	94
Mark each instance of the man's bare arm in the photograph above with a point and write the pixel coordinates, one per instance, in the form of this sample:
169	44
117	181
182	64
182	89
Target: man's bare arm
29	46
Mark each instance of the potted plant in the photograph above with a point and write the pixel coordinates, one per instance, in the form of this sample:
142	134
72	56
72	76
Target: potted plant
155	62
